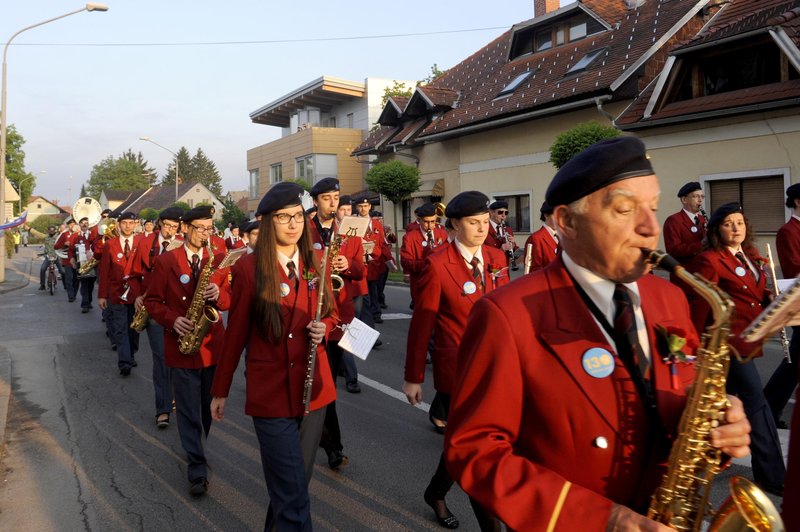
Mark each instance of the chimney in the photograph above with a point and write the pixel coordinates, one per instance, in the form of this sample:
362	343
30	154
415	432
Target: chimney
543	7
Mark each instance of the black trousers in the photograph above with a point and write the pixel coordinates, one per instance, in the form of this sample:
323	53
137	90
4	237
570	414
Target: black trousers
331	439
781	384
192	388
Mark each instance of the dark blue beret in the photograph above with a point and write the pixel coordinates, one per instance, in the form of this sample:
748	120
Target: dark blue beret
358	200
171	213
544	210
598	166
280	195
688	188
345	200
425	210
467	203
499	204
249	226
105	211
792	193
376	214
721	212
201	212
328	184
127	215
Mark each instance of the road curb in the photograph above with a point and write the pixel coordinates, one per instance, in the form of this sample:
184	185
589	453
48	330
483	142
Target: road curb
5	396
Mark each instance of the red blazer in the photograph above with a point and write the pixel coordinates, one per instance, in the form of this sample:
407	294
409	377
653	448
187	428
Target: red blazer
230	244
680	241
495	240
533	436
787	243
381	253
114	271
141	265
749	296
441	308
168	298
63	243
415	249
544	249
275	372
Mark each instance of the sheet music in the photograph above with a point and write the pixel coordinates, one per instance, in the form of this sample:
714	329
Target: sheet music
232	256
784	311
174	244
354	226
358	338
368	246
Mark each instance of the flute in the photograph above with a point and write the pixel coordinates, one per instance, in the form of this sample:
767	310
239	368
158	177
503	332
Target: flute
528	258
784	340
308	385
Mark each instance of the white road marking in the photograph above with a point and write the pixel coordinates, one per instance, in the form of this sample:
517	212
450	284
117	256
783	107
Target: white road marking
396	316
11	306
391	392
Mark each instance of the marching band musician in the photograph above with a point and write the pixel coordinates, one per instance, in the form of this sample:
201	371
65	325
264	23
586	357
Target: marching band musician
63	244
170	291
684	230
151	248
116	295
450	283
548	429
731	260
250	231
376	261
500	234
419	243
276	290
544	242
348	265
234	241
81	246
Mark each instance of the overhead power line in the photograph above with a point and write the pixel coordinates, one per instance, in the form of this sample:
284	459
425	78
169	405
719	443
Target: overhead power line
270	41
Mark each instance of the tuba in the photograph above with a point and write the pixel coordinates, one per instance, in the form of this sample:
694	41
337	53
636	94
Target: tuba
90	209
681	500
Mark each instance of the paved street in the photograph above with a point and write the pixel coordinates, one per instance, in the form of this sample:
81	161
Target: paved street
82	451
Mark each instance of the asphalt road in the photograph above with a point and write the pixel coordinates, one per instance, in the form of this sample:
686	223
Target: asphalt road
83	453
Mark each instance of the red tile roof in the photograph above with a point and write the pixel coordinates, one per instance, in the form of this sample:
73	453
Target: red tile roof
376	137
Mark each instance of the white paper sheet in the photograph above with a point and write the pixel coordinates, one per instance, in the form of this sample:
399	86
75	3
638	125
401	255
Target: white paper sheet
358	338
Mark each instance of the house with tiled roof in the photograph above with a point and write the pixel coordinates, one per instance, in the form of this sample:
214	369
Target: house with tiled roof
41	206
159	197
488	122
725	110
112	199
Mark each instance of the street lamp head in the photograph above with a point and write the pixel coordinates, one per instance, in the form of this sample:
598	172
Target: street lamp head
92	6
144	138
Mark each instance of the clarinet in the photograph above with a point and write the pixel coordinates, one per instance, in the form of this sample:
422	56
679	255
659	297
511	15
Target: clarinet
512	259
705	218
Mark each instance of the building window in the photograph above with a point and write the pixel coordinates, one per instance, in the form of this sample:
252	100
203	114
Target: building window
584	62
407	216
304	168
761	199
276	173
540	37
255	181
39	206
515	83
519	211
350	120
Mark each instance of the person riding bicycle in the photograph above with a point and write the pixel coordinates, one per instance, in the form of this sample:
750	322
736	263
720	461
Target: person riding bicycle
49	251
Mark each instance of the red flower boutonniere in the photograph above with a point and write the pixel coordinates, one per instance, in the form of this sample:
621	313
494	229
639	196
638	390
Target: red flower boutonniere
680	348
310	277
496	272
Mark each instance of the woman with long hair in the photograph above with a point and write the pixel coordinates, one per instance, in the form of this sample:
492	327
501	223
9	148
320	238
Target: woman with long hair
275	290
731	261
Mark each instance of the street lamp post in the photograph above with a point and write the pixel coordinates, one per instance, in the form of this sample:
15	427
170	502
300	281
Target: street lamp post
4	115
148	139
20	187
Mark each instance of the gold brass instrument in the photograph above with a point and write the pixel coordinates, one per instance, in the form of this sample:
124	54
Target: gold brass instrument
106	229
199	313
777	291
431	241
526	266
337	283
681	500
308	385
140	319
440	208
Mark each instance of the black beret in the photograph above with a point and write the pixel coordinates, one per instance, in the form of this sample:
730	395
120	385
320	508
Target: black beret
598	166
358	200
467	203
719	215
425	210
499	204
201	212
311	210
345	200
544	210
249	226
688	188
127	215
327	184
280	195
792	193
171	213
375	214
105	211
242	226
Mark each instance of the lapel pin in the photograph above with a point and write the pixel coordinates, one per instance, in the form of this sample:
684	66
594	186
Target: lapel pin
284	289
598	362
469	288
184	279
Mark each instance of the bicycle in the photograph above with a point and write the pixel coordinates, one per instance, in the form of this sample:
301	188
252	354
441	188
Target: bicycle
52	276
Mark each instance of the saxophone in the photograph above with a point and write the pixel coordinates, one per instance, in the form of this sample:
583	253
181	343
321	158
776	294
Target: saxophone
681	500
200	314
336	280
140	319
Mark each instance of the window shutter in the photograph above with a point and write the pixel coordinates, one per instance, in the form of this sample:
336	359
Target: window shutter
723	192
762	201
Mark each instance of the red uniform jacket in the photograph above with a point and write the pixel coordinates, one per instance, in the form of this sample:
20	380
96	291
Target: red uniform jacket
143	261
230	243
275	372
169	297
415	250
63	243
749	296
787	243
683	240
351	249
441	309
791	510
532	435
381	253
544	249
113	272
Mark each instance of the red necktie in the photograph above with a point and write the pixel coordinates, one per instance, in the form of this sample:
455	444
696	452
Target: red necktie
627	336
164	246
127	248
195	265
476	271
292	273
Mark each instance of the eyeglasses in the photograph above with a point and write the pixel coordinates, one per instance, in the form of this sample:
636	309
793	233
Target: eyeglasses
502	212
202	230
284	218
169	226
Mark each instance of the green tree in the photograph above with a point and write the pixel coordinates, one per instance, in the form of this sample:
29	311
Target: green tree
181	205
577	139
232	213
184	166
148	213
83	190
203	169
15	166
398	89
396	181
434	75
302	182
126	172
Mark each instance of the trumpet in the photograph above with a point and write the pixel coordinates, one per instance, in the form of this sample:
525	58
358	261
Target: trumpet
431	241
440	208
784	339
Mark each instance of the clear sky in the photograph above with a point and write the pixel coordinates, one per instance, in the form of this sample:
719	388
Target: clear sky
77	104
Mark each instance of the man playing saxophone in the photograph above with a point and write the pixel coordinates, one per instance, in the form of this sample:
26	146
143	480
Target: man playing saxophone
171	290
150	249
568	395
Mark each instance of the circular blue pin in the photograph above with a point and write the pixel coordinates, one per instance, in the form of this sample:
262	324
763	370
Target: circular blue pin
424	243
119	255
693	229
469	287
598	362
284	289
184	279
740	271
317	245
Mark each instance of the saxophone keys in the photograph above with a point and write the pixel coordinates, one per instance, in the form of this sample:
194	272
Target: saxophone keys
600	442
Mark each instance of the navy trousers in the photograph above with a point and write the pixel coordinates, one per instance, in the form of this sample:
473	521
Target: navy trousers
288	447
71	282
781	384
87	290
126	339
193	400
162	375
331	439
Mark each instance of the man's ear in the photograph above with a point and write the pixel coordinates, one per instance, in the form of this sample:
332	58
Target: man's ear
565	221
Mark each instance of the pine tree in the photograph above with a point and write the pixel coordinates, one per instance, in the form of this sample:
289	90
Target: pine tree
184	167
117	173
204	170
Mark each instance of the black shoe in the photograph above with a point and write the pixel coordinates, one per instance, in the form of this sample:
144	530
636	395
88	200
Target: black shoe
378	343
337	459
378	319
113	347
438	424
384	306
134	364
85	310
124	371
353	387
162	420
444	516
781	424
199	487
42	288
71	300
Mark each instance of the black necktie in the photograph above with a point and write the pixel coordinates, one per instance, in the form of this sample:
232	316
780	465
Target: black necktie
476	271
292	273
127	248
746	266
164	246
627	336
195	265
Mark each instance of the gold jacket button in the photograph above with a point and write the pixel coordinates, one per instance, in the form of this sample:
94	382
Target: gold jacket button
600	442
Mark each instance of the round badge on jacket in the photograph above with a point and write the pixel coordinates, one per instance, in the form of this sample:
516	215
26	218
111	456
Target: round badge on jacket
424	243
740	271
284	289
469	287
693	229
184	279
317	246
598	362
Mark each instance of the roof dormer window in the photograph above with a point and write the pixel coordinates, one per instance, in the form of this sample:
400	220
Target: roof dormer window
515	83
553	33
584	62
